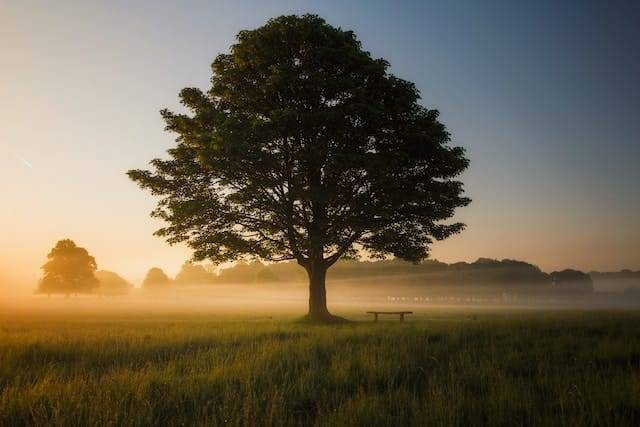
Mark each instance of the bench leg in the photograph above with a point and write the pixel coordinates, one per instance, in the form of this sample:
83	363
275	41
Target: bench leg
375	317
401	317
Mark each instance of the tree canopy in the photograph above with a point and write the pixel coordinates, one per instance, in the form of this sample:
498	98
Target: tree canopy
572	280
156	279
305	148
69	270
112	283
191	273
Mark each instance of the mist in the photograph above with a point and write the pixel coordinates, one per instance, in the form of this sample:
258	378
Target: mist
250	300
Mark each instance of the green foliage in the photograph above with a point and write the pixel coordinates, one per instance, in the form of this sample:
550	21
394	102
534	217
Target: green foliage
69	270
439	368
305	148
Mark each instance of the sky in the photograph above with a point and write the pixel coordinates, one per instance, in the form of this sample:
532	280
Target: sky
543	95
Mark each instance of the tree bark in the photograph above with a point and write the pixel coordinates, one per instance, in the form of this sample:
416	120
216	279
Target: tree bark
317	292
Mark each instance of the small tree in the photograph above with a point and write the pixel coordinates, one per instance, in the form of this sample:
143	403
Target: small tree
69	270
156	279
112	283
305	148
194	274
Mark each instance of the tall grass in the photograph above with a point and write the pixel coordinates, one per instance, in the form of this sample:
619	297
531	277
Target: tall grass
498	369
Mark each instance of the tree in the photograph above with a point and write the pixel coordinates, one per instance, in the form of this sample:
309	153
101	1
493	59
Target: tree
69	270
194	274
305	148
572	281
241	272
112	283
266	275
156	279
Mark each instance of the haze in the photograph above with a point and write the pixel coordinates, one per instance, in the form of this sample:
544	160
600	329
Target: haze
543	95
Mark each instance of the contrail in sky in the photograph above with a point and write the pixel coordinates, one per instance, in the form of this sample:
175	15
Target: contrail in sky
25	161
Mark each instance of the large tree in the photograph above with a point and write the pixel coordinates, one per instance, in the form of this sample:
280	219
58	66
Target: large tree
69	270
305	148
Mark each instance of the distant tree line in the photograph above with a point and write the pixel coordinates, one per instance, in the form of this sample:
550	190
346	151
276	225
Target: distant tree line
71	270
620	281
507	274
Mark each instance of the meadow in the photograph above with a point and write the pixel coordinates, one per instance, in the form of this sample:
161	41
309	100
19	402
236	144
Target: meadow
441	367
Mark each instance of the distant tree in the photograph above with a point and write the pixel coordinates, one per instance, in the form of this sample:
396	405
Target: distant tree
266	274
191	273
112	284
241	272
615	281
305	148
156	279
288	271
69	270
572	280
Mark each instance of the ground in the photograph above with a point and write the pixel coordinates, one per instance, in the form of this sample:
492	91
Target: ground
441	367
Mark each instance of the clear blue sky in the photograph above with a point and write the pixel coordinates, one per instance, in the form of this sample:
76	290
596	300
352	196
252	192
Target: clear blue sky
545	96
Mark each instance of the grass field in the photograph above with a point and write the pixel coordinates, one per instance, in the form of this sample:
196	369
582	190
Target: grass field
439	368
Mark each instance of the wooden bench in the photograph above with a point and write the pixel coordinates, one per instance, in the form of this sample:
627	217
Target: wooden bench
400	313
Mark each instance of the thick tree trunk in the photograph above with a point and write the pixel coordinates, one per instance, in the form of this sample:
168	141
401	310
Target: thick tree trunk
318	312
318	293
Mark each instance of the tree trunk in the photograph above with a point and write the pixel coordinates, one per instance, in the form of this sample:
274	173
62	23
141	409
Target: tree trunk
317	293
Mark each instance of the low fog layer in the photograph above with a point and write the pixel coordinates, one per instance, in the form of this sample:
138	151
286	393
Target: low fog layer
255	290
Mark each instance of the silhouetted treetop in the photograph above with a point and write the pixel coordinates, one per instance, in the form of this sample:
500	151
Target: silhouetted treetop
156	279
69	270
305	148
572	280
